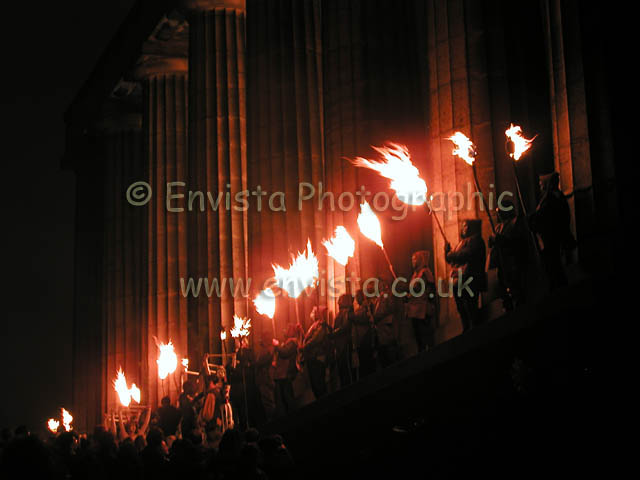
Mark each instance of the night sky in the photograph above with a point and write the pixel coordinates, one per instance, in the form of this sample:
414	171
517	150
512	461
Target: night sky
48	51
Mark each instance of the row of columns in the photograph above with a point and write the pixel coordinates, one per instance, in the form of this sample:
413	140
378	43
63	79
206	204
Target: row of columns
326	87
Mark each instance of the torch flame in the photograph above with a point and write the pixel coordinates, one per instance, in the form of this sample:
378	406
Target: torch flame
241	327
302	273
53	425
223	335
465	149
397	166
369	224
67	418
265	303
125	394
185	364
341	246
167	360
135	393
520	144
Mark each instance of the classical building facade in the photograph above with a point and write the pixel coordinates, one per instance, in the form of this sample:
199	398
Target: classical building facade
229	95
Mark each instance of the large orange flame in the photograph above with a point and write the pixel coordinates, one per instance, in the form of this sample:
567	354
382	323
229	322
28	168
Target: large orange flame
125	394
465	149
265	303
369	224
67	418
167	360
341	246
520	144
396	166
53	424
302	273
241	327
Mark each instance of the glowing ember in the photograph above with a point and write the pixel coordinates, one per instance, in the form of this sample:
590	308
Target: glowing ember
465	149
67	418
241	327
223	335
53	425
125	394
397	166
369	224
302	273
185	364
517	141
341	246
167	360
265	303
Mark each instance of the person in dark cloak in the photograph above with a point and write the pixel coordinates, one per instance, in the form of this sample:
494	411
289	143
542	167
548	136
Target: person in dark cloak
468	276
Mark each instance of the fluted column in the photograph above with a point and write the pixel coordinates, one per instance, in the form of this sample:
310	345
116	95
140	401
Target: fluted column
285	141
88	368
372	96
165	108
217	163
121	145
570	116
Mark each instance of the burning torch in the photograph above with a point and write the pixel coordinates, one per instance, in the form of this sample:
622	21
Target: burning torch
370	228
405	178
466	150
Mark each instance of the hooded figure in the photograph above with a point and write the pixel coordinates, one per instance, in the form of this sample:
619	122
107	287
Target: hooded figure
362	337
264	375
285	369
386	314
509	249
421	300
467	262
341	337
552	224
317	350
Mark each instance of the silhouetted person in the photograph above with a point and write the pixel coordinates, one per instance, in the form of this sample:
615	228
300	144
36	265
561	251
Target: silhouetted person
341	337
509	255
421	307
385	315
363	337
467	262
264	376
316	348
155	455
552	224
285	369
168	417
186	404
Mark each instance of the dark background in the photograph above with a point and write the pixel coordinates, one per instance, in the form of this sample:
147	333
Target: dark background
48	51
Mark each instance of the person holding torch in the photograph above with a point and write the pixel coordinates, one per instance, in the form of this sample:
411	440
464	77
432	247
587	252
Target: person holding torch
468	276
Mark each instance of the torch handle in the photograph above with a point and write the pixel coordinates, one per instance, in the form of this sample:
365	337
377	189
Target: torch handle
515	176
475	178
427	205
395	277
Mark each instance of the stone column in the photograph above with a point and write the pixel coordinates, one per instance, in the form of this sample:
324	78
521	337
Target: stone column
285	140
165	110
569	116
217	163
88	386
121	148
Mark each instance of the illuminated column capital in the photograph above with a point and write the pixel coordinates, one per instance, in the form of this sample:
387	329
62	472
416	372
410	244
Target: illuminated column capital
204	5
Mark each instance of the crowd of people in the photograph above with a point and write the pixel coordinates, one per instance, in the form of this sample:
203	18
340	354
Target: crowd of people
207	434
143	451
